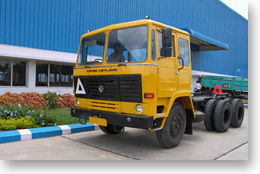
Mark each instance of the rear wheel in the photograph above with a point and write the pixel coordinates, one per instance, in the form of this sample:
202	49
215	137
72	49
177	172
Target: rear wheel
237	110
209	114
222	116
111	129
174	127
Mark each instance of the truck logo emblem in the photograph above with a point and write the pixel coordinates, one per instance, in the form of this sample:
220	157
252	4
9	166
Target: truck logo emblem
80	89
101	89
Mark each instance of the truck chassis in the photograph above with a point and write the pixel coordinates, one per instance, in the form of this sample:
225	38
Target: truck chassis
218	111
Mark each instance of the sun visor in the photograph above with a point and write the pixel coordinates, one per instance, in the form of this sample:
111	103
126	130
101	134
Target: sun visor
201	42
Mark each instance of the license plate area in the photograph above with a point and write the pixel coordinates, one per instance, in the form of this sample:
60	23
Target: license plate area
98	121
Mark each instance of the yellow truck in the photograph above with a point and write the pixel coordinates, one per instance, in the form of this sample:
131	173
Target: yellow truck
138	74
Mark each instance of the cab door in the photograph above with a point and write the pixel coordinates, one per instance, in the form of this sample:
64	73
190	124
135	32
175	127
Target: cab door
167	69
183	52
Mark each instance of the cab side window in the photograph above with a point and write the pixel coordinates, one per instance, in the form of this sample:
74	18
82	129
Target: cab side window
173	46
153	46
160	42
184	50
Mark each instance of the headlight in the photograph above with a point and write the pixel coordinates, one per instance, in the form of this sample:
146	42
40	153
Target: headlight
77	102
139	108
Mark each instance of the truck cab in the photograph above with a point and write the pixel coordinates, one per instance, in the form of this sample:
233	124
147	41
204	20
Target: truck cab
135	74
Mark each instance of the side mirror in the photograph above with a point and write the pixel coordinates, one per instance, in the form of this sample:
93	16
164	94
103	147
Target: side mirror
166	50
167	37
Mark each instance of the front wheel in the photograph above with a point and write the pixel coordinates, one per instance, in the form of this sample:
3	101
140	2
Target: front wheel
111	129
174	128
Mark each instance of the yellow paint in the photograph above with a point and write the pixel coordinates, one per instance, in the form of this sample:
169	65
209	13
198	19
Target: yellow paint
160	76
98	121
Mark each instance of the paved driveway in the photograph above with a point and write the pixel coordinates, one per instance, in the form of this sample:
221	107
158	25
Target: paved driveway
134	144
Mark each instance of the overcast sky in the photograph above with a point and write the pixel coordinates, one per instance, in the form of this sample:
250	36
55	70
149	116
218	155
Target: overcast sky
240	6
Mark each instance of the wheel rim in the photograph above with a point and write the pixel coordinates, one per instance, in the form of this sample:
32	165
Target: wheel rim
176	126
118	129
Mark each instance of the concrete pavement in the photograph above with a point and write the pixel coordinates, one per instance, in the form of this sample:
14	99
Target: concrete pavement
53	148
134	144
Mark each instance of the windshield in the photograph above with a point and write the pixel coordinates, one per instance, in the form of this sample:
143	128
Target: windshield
92	49
127	45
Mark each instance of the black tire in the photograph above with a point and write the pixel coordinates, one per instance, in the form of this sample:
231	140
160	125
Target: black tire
209	114
112	130
222	116
237	110
174	127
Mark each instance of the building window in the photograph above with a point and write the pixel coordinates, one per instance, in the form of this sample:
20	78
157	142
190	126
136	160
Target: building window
19	73
41	74
51	75
12	73
5	73
184	50
61	75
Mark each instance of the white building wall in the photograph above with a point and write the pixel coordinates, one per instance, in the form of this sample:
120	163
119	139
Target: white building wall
32	55
31	75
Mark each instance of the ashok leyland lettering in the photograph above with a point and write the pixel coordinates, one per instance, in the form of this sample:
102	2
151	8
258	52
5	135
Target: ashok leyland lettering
138	74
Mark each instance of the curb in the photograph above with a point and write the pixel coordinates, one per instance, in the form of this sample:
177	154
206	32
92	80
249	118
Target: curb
33	133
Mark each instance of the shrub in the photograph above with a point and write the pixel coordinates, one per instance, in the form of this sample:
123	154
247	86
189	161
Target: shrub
48	100
27	99
7	124
21	123
16	112
44	120
51	99
65	100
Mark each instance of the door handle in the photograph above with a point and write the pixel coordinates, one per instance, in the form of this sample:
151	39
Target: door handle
182	63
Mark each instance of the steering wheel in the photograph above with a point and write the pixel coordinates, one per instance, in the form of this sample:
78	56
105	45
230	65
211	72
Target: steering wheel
97	60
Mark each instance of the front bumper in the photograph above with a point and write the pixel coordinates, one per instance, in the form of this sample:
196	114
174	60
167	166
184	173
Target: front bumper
117	119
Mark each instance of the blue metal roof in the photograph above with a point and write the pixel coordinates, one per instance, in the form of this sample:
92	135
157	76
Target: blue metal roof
204	42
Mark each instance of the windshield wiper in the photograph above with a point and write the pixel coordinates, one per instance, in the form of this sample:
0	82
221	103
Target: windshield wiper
87	66
121	64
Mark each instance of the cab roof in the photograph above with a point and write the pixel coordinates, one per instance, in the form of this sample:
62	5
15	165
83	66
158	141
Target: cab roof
133	23
201	41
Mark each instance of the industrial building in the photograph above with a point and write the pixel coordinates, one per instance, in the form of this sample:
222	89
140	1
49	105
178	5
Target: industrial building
39	39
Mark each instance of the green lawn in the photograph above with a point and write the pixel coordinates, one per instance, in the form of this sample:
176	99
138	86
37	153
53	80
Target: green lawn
62	115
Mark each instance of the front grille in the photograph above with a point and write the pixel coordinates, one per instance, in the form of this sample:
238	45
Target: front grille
106	106
131	88
115	87
110	86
